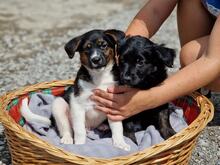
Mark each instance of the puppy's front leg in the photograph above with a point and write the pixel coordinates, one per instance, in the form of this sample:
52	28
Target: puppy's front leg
117	135
78	123
165	127
60	111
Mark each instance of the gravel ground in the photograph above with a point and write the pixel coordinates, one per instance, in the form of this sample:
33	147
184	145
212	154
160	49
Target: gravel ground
32	35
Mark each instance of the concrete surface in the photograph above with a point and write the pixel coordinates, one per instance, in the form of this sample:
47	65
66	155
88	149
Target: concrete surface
32	35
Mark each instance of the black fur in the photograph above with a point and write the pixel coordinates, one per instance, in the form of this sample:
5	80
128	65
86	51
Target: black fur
143	65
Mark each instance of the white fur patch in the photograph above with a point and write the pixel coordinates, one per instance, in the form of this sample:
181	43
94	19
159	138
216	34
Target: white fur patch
102	79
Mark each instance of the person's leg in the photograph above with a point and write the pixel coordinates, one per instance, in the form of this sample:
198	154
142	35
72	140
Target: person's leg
191	52
194	25
194	21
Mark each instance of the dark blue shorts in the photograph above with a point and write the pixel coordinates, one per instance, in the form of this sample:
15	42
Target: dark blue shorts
213	6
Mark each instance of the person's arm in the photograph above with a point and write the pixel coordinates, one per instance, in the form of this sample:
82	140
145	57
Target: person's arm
150	17
194	76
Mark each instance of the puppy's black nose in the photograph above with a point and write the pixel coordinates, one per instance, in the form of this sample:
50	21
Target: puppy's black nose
127	79
96	60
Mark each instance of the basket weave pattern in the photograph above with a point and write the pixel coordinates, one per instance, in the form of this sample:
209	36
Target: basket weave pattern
26	148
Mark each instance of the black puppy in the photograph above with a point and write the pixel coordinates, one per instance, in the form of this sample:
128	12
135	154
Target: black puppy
142	64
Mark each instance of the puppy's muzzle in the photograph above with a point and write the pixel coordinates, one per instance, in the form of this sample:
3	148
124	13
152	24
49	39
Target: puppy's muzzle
127	79
98	61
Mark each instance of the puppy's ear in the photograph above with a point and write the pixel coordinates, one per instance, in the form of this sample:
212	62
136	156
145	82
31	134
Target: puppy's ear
72	46
167	55
115	35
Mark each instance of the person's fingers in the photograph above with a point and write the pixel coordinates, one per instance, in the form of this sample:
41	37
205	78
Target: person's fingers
118	89
103	94
103	101
108	110
115	117
101	108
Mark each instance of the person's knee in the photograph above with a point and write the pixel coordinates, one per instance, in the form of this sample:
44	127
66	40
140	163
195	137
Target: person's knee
186	55
193	50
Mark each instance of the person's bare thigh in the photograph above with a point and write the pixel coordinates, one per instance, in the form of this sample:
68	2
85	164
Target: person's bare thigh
194	21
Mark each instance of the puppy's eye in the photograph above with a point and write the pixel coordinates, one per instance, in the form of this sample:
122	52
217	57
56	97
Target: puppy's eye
103	45
89	45
140	62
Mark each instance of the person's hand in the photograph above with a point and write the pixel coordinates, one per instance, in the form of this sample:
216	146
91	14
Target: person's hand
119	102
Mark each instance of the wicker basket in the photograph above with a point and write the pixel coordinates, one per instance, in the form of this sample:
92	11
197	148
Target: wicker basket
26	148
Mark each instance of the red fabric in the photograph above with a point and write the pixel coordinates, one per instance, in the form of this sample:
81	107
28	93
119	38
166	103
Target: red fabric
58	91
14	112
190	108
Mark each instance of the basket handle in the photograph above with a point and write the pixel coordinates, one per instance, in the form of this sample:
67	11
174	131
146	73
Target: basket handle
204	102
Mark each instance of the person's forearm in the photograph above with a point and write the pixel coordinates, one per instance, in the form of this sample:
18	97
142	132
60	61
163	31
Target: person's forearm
150	17
185	81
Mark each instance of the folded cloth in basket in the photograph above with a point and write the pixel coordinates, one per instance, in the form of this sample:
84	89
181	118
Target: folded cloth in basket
99	143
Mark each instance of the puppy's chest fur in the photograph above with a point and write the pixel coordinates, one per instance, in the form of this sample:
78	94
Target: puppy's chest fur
86	82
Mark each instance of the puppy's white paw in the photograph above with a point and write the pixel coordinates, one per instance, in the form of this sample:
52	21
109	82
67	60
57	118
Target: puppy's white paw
66	139
122	145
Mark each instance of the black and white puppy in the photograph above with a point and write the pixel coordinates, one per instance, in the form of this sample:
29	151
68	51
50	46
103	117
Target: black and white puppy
98	70
142	64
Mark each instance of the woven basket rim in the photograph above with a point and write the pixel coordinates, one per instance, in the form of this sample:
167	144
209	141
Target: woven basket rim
205	116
